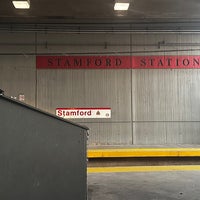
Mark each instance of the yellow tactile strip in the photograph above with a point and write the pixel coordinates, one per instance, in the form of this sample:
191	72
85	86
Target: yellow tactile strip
143	152
144	169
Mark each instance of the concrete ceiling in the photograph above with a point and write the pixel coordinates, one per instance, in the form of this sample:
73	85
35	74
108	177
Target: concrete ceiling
100	15
73	11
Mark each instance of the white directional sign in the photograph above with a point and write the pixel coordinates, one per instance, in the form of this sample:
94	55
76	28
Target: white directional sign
75	113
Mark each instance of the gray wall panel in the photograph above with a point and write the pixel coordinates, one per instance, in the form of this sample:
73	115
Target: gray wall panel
60	88
166	95
149	133
111	88
165	43
147	42
165	133
17	43
17	76
83	43
183	133
86	88
110	133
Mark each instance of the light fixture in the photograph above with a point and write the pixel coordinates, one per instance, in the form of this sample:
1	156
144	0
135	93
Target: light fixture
121	6
22	4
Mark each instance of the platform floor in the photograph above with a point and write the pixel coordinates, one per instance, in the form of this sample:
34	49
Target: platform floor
168	185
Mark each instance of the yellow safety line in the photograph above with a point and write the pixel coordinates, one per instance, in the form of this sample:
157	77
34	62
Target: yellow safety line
143	152
143	169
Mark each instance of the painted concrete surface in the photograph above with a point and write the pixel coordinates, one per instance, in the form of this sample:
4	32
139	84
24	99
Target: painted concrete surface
182	185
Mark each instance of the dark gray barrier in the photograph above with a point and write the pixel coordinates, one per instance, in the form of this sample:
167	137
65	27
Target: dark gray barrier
42	157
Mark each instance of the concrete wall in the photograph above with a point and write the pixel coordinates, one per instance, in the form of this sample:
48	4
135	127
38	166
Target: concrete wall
149	106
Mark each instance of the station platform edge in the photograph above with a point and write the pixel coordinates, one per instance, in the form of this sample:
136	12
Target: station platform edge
142	152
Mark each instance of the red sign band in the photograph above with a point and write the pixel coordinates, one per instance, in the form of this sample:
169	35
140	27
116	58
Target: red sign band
117	62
